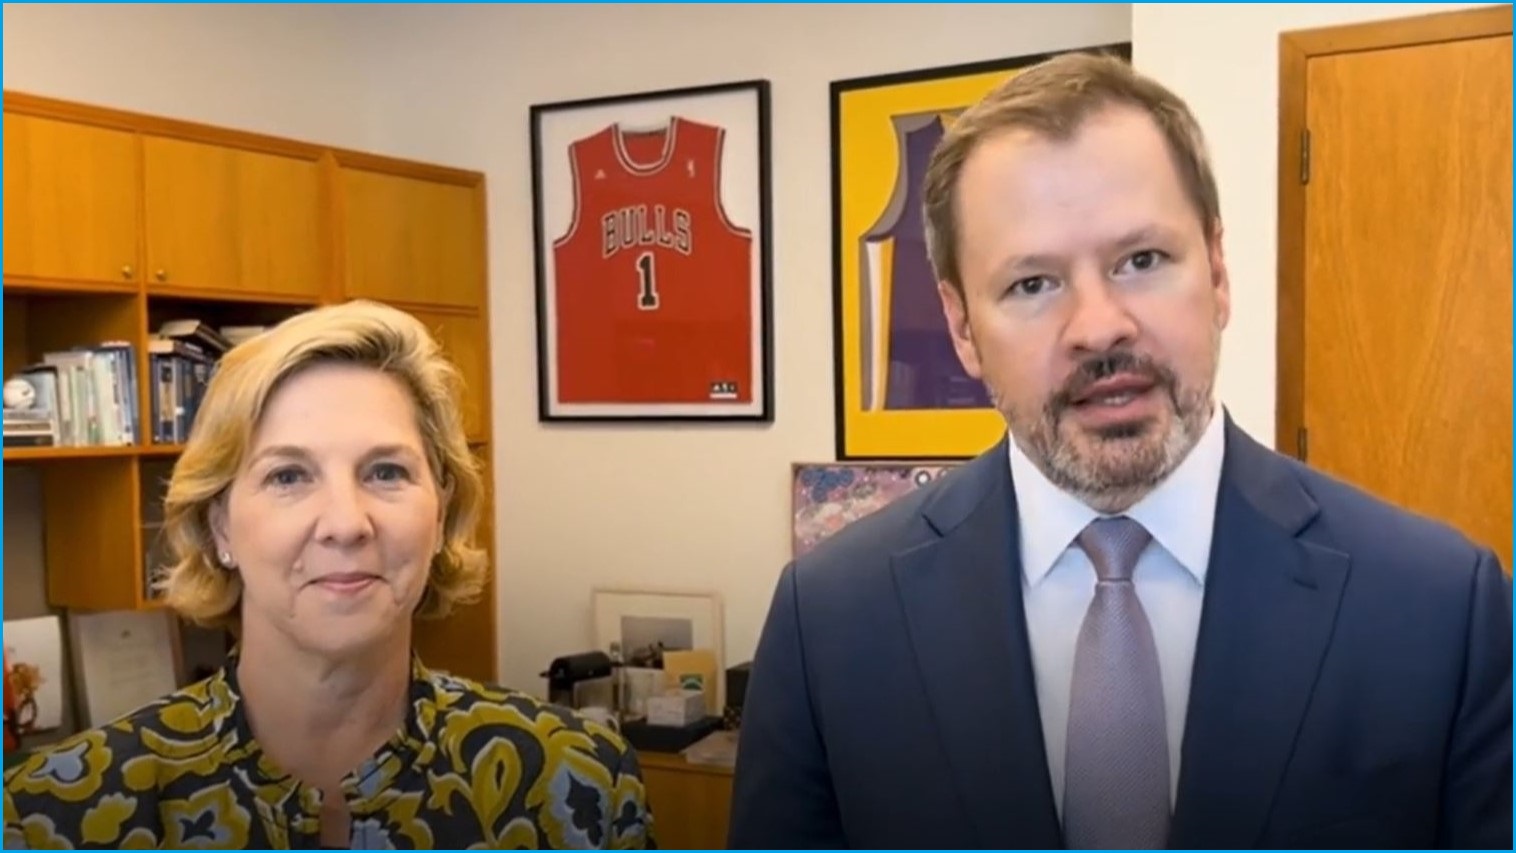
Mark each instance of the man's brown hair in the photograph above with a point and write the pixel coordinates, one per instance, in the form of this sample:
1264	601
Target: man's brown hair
1053	98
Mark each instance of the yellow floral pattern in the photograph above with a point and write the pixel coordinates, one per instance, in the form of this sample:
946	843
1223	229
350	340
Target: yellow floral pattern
476	767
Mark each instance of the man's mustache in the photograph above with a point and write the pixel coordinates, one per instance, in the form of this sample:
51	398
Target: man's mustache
1105	365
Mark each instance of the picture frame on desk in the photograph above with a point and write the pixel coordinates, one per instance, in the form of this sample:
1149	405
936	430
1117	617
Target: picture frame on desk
651	226
34	675
124	659
900	390
647	622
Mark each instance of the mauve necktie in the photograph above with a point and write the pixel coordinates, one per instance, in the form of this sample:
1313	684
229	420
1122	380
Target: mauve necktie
1116	778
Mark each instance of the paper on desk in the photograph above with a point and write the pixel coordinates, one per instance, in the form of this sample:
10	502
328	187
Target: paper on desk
717	749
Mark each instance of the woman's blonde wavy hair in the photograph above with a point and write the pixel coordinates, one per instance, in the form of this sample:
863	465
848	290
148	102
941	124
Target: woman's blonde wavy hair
361	332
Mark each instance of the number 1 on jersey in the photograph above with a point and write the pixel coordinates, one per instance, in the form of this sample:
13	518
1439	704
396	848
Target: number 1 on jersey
647	293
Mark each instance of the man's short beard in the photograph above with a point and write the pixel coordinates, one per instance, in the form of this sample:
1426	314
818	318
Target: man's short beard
1126	461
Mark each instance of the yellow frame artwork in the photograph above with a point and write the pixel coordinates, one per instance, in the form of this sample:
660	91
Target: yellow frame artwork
876	240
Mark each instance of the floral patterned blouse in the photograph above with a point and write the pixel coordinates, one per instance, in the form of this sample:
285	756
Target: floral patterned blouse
474	766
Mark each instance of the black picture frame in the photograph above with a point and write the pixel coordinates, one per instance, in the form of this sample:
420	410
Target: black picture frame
620	235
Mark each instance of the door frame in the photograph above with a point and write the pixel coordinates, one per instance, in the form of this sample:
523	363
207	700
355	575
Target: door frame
1296	48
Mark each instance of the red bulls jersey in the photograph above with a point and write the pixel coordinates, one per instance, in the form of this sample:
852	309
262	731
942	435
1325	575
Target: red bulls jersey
653	286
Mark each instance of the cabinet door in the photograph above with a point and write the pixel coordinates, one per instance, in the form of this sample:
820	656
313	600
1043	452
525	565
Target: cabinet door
410	240
692	805
71	201
221	218
465	340
91	535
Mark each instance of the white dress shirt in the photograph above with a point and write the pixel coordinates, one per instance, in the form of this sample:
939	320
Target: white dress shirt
1058	583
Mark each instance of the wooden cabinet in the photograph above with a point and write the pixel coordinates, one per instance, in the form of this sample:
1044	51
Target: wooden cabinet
405	236
116	222
414	235
691	803
465	340
464	641
229	219
71	201
97	571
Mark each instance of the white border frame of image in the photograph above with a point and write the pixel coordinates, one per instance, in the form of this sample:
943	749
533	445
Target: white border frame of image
702	608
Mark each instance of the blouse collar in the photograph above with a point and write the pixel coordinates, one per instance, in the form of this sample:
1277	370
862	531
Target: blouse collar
411	745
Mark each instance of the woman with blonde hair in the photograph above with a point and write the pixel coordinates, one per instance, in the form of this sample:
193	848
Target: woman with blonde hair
325	499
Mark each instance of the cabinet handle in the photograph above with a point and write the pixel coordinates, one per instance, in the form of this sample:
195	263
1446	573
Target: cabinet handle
162	275
126	271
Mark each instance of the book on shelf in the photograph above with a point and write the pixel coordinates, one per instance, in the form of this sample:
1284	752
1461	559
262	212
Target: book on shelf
31	418
182	358
23	428
197	332
86	395
180	370
237	334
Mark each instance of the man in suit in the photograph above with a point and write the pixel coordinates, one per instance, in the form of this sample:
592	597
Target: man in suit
1128	624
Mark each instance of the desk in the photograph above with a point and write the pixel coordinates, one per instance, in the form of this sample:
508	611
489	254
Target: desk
691	803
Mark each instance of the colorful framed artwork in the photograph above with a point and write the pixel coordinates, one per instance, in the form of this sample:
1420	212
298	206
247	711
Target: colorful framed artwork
901	392
653	255
828	496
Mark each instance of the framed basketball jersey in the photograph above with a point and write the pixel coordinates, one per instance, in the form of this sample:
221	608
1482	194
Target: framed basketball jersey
652	250
900	389
908	362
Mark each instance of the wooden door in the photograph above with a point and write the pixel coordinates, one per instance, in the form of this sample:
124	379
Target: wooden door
71	201
229	219
1406	299
411	240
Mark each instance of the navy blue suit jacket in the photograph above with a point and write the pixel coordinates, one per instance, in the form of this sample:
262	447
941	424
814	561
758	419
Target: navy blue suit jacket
1351	684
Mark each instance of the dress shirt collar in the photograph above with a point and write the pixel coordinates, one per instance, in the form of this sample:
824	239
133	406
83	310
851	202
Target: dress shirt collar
1180	513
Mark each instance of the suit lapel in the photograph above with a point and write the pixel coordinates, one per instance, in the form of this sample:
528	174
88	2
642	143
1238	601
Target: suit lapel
961	597
1271	602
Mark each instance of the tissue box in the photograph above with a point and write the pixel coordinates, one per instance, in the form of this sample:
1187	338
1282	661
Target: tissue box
675	708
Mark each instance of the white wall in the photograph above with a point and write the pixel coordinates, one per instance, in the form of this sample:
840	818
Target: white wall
660	506
1224	60
288	70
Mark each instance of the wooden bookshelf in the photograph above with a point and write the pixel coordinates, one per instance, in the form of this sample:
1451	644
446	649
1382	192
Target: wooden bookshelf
43	454
116	221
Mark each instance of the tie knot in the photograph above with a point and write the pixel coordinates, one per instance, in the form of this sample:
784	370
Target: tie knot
1114	545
